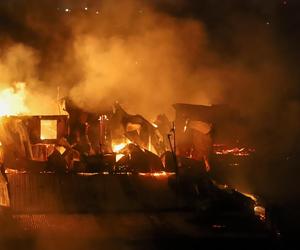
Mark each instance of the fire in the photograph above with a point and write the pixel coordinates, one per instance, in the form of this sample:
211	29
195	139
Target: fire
259	210
119	157
251	196
117	147
221	149
158	174
48	129
154	125
12	100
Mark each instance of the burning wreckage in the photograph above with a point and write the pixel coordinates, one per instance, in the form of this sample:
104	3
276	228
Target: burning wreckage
114	161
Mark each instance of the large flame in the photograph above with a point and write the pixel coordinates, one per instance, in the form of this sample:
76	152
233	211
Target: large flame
12	100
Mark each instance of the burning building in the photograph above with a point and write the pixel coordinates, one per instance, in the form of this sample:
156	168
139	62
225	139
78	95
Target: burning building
65	163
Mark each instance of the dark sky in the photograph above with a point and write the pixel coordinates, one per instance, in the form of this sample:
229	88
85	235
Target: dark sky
224	18
220	17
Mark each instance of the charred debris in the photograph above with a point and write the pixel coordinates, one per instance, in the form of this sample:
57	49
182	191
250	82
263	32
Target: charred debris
115	141
166	165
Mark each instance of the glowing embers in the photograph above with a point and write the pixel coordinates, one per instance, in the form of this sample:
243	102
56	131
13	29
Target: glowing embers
259	209
251	196
158	174
221	149
48	129
12	100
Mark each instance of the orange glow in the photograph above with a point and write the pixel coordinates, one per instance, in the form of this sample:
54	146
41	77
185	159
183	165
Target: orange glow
119	157
221	149
48	129
12	100
154	125
117	147
158	174
260	212
251	196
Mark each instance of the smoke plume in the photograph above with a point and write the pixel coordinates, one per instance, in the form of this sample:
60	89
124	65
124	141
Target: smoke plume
139	54
150	54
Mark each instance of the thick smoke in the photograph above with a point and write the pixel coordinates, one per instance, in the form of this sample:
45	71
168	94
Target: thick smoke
149	60
146	58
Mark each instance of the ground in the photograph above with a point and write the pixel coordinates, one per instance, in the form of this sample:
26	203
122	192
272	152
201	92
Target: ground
165	230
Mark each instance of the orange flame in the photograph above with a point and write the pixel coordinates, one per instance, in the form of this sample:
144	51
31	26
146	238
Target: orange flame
12	100
221	149
117	147
158	174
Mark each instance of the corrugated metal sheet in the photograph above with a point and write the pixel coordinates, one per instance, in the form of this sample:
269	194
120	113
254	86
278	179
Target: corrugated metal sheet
48	192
